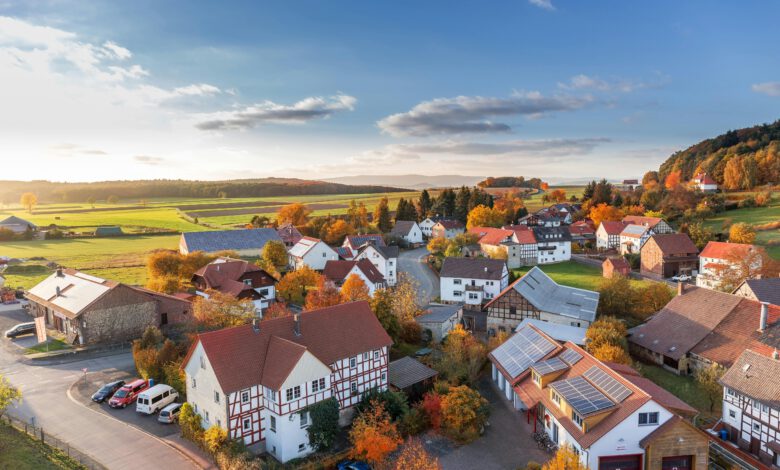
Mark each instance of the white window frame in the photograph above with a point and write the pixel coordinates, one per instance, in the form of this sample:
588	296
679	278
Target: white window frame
244	424
304	420
245	393
272	424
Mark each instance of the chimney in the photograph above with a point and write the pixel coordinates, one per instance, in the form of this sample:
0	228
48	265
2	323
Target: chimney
764	316
680	288
256	325
59	272
297	324
775	355
58	291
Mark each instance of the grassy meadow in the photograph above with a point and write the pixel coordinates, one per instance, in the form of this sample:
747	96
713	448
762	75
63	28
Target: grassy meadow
754	216
573	274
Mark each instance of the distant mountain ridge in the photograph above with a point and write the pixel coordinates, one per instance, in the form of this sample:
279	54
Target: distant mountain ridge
413	181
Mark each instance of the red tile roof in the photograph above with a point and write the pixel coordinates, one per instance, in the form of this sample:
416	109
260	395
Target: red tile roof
224	275
642	220
674	244
613	227
337	271
242	357
491	235
724	250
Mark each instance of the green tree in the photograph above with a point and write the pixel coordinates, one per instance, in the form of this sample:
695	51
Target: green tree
708	378
275	253
324	427
395	403
382	216
424	204
8	395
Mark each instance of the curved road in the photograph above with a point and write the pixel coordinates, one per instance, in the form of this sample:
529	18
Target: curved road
412	262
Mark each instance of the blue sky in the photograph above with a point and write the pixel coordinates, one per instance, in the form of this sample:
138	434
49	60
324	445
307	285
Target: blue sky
207	90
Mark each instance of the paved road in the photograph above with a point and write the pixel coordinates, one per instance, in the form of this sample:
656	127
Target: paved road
412	262
45	391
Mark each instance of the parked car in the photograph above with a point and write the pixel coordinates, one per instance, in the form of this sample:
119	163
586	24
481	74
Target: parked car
128	393
681	278
106	391
170	413
20	329
353	465
156	398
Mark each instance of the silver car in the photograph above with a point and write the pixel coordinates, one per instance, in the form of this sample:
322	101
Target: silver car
170	413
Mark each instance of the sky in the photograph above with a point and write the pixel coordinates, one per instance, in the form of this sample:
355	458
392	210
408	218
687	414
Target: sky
319	89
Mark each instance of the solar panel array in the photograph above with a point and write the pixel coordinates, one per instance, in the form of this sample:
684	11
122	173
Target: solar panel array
582	396
608	384
570	356
521	350
549	366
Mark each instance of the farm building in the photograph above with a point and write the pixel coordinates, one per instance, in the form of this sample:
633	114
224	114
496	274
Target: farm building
667	255
612	266
411	376
762	290
248	242
115	231
17	225
439	319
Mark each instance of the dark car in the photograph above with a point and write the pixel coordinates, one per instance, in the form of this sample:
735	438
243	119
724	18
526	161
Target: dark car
20	329
106	391
353	465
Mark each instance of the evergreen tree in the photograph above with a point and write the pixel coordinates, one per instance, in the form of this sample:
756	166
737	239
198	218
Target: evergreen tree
424	205
400	210
587	193
382	216
462	204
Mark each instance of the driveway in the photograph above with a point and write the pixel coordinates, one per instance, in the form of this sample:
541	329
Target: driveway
412	262
47	401
507	443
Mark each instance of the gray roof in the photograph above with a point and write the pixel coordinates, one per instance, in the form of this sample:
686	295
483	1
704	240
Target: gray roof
551	234
386	251
756	376
403	227
14	220
473	268
407	371
222	240
557	331
549	296
108	231
438	313
765	290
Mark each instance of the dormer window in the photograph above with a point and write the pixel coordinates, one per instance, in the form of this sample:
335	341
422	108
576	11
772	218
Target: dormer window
576	418
248	282
556	398
536	378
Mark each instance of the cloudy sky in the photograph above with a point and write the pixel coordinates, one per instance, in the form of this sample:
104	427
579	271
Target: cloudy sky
211	90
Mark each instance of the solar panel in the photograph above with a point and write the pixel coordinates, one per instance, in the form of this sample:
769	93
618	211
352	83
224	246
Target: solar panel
608	384
521	350
570	356
549	366
581	395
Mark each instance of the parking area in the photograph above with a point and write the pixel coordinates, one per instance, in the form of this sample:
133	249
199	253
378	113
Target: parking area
11	315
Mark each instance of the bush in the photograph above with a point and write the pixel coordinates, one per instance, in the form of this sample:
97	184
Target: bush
463	414
749	201
55	234
189	423
214	439
411	332
324	427
414	422
395	403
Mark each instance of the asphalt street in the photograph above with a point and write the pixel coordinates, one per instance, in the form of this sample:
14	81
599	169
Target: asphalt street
412	262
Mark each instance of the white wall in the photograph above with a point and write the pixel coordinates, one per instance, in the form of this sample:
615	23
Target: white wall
562	252
449	289
201	396
317	256
415	234
384	265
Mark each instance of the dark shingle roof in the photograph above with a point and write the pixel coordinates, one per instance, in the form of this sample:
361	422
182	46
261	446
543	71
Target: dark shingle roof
756	376
223	240
473	268
408	371
438	313
675	244
403	227
765	290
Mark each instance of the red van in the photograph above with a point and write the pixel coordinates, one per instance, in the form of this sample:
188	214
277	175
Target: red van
128	393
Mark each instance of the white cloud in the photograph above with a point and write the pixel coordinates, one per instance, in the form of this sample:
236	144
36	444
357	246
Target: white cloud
767	88
269	112
197	89
116	50
587	82
546	4
472	114
148	160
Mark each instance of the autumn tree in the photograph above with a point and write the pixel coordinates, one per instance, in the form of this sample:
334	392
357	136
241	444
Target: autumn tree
742	233
405	302
611	353
604	211
565	459
497	340
558	195
382	216
606	331
413	456
615	296
438	245
275	253
294	285
374	435
276	310
169	271
382	306
483	216
214	439
741	265
325	294
708	378
431	404
650	180
8	395
462	356
296	214
222	310
673	179
463	414
28	201
338	231
354	288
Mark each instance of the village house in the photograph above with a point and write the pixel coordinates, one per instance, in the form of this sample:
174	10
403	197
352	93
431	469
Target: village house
629	185
439	319
311	252
667	255
516	245
384	258
608	235
718	259
762	290
90	310
705	183
611	418
582	232
245	242
553	244
656	224
336	272
447	229
700	327
356	242
612	266
409	231
238	278
426	226
751	405
17	225
472	280
289	234
254	381
537	296
633	237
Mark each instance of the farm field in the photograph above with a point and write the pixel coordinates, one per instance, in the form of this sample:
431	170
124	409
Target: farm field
572	274
754	216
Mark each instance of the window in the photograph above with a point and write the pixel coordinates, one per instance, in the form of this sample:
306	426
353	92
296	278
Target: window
272	424
194	383
764	408
248	282
457	282
247	424
648	419
352	362
576	418
294	393
757	427
324	255
216	396
457	293
206	415
376	355
264	292
536	378
353	387
384	376
304	420
556	398
163	319
318	385
219	423
202	362
301	447
472	295
244	397
732	414
730	392
365	356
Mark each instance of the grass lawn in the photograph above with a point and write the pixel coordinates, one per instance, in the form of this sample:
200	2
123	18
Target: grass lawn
20	452
684	388
753	216
572	274
54	345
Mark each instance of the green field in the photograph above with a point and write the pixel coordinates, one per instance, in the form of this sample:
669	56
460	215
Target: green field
754	216
573	274
20	452
684	388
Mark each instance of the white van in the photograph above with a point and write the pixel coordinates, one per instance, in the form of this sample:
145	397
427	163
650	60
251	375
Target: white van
152	400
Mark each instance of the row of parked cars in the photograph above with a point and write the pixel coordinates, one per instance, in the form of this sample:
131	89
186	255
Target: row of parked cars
148	398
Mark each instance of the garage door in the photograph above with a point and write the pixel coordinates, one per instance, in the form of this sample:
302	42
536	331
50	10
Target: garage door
621	462
680	462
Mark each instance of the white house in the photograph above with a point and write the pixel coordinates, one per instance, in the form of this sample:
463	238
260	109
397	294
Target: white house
238	278
447	229
553	244
255	380
408	230
472	280
311	252
426	226
705	183
717	259
337	273
384	258
440	319
633	237
608	235
657	224
606	416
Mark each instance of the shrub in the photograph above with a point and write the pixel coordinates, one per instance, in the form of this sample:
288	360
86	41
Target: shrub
395	403
189	423
431	404
324	427
374	436
414	422
463	414
411	332
214	439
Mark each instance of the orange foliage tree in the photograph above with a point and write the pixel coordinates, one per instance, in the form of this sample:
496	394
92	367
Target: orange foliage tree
337	231
558	195
374	435
565	459
293	286
325	295
296	214
354	289
672	180
611	353
276	310
463	413
413	456
545	186
483	216
431	404
604	212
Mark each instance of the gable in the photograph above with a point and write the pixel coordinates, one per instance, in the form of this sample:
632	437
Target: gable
306	369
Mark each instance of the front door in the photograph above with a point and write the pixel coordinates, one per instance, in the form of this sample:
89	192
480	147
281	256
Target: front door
555	433
755	445
680	462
